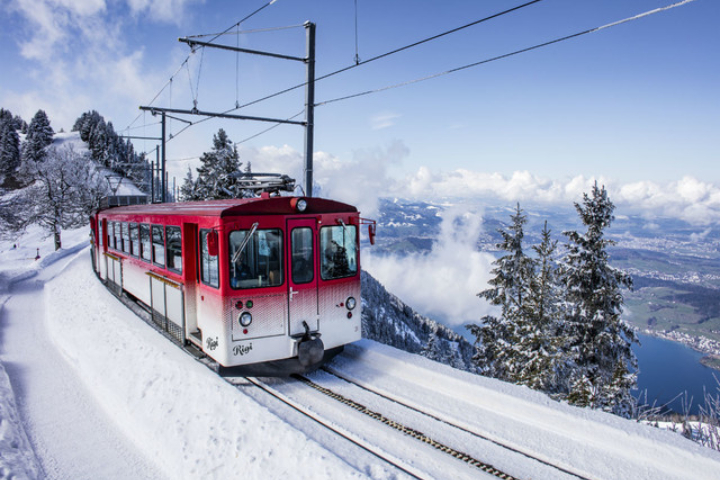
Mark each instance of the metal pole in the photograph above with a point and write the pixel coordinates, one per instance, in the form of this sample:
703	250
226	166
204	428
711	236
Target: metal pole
309	107
152	173
162	179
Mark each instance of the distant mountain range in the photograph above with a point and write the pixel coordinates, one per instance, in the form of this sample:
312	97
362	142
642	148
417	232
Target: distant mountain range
675	265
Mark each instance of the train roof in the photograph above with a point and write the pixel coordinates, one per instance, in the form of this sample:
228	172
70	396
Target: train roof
234	207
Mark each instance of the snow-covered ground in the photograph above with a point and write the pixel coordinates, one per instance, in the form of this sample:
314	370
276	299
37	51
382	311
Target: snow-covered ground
90	391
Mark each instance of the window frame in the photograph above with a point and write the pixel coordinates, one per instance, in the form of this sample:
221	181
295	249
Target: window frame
211	259
324	249
280	252
154	246
168	249
143	240
303	258
125	236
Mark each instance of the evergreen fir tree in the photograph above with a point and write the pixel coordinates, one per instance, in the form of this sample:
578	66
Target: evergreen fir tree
541	340
216	176
187	190
604	361
9	151
40	135
498	337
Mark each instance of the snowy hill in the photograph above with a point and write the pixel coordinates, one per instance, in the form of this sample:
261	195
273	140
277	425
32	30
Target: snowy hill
97	393
386	319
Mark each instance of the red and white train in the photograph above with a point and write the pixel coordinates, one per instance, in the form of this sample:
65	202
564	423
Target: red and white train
267	285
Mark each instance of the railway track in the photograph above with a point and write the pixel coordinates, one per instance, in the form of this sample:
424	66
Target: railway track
451	461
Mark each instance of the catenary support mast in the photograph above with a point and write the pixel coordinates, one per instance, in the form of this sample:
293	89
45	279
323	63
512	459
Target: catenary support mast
309	61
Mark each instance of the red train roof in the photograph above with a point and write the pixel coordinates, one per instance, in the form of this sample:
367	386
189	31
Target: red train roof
238	206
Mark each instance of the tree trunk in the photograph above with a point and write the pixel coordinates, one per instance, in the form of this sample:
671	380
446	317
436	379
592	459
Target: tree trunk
56	235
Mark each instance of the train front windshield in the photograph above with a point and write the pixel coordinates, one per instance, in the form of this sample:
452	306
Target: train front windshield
256	261
338	245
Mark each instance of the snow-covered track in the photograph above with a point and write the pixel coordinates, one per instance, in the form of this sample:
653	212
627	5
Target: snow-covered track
337	429
420	436
417	435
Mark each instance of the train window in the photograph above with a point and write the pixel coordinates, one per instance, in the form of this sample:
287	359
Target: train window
134	240
174	249
256	261
117	242
145	249
101	234
158	245
208	263
125	237
338	250
302	255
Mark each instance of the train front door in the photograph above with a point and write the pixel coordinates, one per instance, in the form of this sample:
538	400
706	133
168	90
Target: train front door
302	281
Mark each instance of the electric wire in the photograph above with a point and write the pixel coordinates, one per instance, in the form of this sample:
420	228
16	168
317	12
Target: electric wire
378	57
183	64
507	55
387	54
241	21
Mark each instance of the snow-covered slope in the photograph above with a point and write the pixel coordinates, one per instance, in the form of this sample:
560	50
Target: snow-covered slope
156	410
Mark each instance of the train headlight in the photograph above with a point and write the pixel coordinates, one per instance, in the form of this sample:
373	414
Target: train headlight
300	204
350	303
245	319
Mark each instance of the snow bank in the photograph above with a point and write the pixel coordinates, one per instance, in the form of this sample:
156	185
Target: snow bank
18	262
190	421
17	459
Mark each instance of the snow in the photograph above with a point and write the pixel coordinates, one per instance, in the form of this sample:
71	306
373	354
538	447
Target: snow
88	390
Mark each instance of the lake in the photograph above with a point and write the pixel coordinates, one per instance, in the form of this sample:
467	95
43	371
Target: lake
669	368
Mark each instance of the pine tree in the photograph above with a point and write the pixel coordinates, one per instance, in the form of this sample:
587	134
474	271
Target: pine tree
497	338
40	135
604	367
541	341
217	174
187	190
9	152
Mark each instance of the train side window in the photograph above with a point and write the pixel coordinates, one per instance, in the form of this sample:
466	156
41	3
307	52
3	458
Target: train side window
338	250
134	240
117	239
158	245
208	263
301	252
145	248
101	234
125	237
174	249
256	261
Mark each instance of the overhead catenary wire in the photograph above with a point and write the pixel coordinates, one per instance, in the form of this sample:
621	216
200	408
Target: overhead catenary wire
183	64
355	65
506	55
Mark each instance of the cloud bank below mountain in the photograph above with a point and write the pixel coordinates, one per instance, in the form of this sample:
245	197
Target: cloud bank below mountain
368	176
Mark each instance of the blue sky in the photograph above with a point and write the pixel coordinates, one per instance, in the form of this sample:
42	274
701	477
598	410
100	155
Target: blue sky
634	103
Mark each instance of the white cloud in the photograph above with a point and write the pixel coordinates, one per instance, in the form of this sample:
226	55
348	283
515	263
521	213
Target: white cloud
384	120
365	178
444	283
688	199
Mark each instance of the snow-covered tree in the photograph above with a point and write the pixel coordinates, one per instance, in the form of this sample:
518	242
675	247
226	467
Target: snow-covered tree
9	151
497	337
66	189
604	363
541	340
187	190
39	136
217	174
